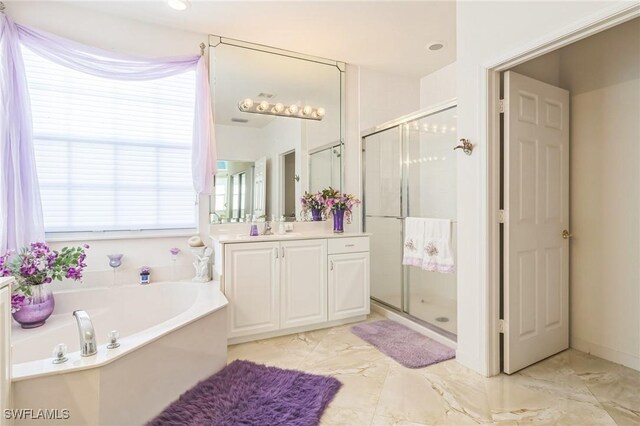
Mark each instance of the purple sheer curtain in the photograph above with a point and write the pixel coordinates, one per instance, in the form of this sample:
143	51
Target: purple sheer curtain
20	204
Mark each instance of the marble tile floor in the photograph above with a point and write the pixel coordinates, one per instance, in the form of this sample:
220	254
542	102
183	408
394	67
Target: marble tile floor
571	388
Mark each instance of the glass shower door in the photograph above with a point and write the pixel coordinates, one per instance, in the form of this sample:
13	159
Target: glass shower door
383	213
432	191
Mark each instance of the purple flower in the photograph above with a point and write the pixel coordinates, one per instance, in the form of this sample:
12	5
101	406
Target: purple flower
174	251
17	300
145	269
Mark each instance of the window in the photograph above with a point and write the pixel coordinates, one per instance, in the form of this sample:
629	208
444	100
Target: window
112	155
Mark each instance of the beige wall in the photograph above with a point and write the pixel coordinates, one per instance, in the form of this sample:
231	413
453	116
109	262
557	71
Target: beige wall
439	86
602	73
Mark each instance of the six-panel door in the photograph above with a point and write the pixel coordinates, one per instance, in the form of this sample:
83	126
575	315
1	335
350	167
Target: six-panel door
252	287
348	285
303	282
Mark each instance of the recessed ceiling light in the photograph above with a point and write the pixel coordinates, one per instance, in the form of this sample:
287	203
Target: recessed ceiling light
179	4
436	45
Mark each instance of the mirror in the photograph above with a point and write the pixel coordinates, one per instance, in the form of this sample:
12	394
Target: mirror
278	126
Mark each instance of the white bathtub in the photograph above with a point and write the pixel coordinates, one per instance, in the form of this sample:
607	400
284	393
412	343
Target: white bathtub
172	335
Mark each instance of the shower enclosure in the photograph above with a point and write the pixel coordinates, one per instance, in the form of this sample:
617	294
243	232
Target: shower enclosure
409	170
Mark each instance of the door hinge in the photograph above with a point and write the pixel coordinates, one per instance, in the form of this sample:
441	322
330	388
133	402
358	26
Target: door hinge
501	216
501	326
501	106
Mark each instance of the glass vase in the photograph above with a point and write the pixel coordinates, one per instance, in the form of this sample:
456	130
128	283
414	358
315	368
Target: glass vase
338	221
316	215
36	308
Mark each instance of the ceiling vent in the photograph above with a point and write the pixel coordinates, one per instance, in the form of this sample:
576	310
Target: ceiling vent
239	120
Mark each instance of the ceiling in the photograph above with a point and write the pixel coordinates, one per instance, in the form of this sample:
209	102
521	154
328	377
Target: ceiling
386	36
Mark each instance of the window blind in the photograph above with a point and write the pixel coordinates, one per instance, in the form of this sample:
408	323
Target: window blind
112	155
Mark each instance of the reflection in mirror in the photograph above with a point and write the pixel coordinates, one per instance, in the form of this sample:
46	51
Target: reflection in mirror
278	125
325	168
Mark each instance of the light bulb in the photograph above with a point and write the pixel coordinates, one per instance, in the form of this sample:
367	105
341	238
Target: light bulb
278	108
246	104
320	112
263	106
179	4
293	109
306	110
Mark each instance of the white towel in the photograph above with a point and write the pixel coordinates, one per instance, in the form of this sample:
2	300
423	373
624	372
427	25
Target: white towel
413	241
437	253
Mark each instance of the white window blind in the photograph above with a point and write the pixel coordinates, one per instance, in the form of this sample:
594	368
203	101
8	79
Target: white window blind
112	155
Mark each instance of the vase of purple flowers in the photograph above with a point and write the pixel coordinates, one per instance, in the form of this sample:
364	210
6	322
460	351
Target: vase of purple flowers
314	204
34	268
341	206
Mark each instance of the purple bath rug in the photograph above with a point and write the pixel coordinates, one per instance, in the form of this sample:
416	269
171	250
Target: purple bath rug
406	346
244	393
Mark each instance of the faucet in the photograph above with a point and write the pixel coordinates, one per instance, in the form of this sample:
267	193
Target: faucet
267	228
87	334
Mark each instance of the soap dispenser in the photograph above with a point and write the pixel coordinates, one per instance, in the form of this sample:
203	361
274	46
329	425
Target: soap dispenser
254	227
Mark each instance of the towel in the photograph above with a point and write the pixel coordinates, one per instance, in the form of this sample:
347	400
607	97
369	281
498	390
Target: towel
437	254
413	241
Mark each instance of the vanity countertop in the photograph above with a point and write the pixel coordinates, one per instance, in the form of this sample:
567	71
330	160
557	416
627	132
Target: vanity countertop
245	238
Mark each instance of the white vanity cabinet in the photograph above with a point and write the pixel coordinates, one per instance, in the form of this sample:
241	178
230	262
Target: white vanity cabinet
348	278
5	348
280	286
252	285
303	282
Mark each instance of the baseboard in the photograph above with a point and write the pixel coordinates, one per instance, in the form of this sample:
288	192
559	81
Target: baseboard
613	355
376	307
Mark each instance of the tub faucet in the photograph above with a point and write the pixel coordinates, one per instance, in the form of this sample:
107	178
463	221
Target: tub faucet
87	334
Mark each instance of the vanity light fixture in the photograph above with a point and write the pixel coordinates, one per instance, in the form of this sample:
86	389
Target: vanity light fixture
279	109
179	4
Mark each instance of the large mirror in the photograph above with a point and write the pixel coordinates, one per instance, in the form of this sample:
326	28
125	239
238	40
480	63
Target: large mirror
278	125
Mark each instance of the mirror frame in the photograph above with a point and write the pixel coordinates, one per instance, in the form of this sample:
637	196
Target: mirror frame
216	40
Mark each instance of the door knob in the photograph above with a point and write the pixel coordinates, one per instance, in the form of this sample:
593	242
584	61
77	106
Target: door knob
566	234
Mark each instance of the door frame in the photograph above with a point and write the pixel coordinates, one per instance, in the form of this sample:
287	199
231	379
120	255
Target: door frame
490	128
281	177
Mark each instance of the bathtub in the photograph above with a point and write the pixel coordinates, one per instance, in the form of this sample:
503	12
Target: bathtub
172	335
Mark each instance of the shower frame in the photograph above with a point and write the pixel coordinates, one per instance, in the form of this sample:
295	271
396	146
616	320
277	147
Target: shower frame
403	130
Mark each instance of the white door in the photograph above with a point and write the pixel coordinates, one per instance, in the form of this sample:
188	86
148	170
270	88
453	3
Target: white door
5	352
348	285
251	284
536	203
303	285
260	186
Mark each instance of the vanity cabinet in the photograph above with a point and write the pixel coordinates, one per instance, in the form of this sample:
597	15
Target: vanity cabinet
292	285
252	285
5	348
303	285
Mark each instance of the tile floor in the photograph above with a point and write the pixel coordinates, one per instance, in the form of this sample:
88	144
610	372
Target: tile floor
571	388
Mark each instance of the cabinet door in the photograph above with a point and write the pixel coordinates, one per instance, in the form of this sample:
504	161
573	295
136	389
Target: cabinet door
251	285
348	285
5	352
303	282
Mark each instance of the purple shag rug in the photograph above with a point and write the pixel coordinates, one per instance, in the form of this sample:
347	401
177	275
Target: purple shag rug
406	346
244	393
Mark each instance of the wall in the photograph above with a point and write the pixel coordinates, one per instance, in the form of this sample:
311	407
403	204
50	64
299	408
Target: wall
439	86
384	97
487	32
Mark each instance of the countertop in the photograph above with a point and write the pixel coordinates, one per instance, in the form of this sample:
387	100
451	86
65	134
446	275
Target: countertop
245	238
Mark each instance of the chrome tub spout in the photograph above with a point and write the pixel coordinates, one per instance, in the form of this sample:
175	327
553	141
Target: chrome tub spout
87	334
